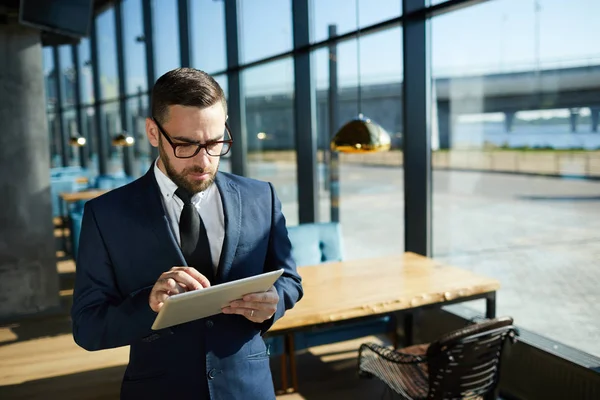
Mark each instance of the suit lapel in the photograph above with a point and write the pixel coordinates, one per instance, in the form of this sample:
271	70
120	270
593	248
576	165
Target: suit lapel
150	203
232	210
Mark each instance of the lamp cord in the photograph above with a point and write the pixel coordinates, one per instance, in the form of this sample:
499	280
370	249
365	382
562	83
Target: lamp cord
359	101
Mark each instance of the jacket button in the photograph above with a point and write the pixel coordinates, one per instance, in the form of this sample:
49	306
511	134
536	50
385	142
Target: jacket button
209	323
212	373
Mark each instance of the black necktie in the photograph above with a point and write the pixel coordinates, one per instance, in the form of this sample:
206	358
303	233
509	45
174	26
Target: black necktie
194	240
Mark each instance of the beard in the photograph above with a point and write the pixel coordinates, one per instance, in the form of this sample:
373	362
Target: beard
180	178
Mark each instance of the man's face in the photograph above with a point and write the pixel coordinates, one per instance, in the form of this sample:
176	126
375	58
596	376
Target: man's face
189	125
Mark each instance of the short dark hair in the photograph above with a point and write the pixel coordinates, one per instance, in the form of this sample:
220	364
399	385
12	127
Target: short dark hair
185	87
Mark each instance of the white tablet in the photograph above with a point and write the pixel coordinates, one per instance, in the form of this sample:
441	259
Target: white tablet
201	303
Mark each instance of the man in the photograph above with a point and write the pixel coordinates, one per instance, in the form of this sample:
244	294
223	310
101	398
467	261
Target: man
184	226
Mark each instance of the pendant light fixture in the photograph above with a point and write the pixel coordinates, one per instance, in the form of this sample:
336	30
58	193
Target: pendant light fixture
123	140
360	135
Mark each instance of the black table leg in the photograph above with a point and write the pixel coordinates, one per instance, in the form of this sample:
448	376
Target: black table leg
490	302
408	328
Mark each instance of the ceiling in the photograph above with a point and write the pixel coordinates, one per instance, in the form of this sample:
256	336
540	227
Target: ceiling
9	14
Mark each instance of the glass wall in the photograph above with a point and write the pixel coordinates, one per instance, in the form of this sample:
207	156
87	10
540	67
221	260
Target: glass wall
259	39
107	45
370	197
133	47
514	124
165	24
269	102
349	15
86	79
207	25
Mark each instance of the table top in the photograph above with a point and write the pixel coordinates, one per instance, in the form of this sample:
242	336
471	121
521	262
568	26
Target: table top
83	195
359	288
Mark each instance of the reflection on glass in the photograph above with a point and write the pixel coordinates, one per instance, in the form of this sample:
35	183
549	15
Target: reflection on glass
134	48
225	164
166	35
70	127
55	145
343	13
260	39
512	118
88	130
107	47
67	75
112	127
370	198
86	80
49	78
269	102
207	23
136	127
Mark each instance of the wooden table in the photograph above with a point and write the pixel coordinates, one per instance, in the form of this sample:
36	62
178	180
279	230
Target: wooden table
70	197
348	290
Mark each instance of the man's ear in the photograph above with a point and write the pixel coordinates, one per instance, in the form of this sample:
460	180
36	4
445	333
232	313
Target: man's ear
152	132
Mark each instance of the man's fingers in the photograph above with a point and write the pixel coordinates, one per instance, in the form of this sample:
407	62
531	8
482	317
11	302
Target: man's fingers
251	305
246	312
193	272
265	297
183	278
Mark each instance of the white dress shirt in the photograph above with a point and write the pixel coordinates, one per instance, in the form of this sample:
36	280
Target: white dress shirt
207	203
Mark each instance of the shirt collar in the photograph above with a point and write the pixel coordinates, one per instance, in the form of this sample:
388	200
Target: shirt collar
168	187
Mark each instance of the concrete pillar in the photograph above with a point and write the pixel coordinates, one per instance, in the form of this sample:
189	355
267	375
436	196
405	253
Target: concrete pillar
595	113
573	116
444	124
28	275
509	117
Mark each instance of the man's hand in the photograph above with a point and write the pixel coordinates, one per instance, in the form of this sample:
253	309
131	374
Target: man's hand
176	280
256	307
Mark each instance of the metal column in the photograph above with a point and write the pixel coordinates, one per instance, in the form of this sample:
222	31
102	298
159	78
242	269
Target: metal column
123	111
64	138
334	169
150	66
236	108
83	150
100	126
417	129
184	33
305	117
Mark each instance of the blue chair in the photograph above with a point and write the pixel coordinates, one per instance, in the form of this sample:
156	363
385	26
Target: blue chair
76	218
313	244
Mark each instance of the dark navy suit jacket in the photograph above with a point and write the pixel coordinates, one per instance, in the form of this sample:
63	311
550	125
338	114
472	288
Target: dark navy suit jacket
126	244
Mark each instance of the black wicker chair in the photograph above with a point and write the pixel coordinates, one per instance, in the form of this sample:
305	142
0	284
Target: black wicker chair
463	364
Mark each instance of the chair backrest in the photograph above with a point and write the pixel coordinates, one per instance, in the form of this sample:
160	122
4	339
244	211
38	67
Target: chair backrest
466	362
316	243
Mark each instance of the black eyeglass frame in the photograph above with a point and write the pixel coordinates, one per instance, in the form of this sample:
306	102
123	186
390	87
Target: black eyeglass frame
198	145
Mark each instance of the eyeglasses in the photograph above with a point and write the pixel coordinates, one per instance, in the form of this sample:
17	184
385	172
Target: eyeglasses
214	148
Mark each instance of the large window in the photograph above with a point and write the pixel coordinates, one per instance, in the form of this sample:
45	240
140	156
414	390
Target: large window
515	115
165	24
269	102
67	75
133	47
266	28
343	13
207	25
86	80
370	197
107	57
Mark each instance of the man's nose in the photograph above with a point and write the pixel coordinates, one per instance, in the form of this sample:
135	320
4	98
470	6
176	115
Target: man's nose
202	157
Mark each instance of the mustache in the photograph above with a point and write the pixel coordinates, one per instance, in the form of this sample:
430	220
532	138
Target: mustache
196	170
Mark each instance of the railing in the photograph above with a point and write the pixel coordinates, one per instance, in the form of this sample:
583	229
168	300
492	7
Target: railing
568	163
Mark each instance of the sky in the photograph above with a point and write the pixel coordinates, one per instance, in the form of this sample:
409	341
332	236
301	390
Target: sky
495	36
